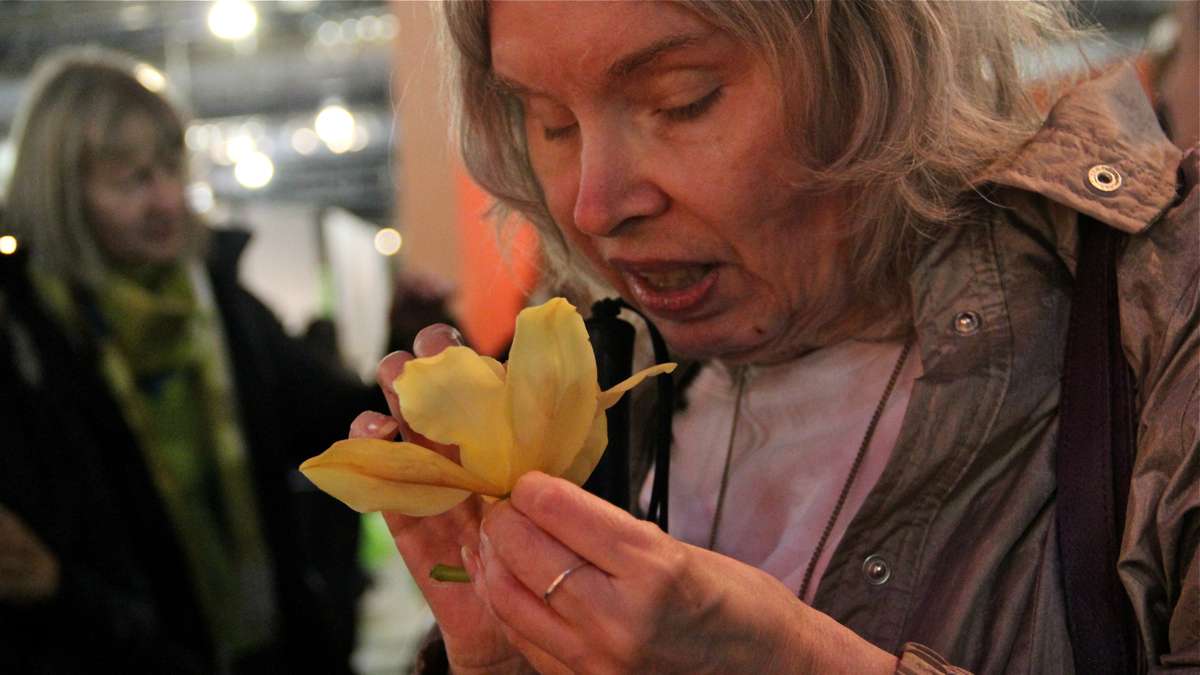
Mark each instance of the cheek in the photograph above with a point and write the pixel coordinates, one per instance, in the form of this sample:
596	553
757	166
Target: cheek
583	247
559	181
560	187
112	221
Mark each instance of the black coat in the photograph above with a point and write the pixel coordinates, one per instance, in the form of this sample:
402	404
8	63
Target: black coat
71	467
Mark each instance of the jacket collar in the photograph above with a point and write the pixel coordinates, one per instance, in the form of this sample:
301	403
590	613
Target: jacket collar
1100	152
225	248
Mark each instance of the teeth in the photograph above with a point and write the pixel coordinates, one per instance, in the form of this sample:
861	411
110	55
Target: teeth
675	279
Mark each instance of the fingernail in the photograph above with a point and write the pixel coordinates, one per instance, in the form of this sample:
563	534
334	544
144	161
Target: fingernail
478	571
445	331
470	562
383	429
441	329
485	550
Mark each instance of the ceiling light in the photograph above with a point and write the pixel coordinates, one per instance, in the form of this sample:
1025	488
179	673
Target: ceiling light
8	244
232	19
253	128
361	139
135	17
389	27
388	241
335	126
239	147
254	171
369	28
328	34
200	197
197	137
305	141
150	77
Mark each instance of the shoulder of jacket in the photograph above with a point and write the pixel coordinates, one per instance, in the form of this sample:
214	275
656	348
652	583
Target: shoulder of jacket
1101	152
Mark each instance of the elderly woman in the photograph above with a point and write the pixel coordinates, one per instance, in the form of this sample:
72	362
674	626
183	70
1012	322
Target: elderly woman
854	218
151	410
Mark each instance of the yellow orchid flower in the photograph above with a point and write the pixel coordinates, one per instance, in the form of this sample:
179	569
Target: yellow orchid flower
544	412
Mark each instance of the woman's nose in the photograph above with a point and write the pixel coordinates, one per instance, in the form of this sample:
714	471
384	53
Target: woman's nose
167	192
616	185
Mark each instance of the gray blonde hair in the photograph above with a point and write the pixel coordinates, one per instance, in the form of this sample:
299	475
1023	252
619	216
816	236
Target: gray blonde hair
901	106
76	101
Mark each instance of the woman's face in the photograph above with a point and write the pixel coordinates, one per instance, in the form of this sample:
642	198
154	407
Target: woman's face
135	202
661	147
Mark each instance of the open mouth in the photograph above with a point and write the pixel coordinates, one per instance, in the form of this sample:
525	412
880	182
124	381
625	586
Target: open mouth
677	279
672	290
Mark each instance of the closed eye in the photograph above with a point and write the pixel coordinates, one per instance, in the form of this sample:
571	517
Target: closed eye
557	133
694	109
682	113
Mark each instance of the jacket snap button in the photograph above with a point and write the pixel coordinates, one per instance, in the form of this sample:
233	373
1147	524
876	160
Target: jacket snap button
876	570
967	323
1104	178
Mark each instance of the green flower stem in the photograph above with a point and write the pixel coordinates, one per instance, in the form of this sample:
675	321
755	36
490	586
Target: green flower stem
450	573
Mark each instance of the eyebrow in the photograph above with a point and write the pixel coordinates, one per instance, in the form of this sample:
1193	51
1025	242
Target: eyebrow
628	64
622	68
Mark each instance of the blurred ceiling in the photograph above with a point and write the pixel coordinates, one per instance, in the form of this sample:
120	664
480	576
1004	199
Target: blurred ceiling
258	94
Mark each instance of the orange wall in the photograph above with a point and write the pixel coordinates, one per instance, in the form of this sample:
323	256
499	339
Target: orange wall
495	284
439	210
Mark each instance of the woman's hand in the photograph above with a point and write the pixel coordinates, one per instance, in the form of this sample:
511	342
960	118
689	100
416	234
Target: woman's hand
29	572
644	602
475	641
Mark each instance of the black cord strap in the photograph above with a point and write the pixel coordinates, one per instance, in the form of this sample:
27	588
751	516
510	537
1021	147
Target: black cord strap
1093	464
664	410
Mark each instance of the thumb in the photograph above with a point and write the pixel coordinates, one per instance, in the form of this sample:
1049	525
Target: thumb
435	338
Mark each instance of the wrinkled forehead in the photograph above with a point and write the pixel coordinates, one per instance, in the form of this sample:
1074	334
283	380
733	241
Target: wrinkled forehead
535	43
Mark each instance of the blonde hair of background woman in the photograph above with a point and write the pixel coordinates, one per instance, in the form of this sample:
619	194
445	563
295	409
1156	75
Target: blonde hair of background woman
902	106
72	111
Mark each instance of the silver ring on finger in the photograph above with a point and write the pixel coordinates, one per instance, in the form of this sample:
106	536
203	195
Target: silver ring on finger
558	580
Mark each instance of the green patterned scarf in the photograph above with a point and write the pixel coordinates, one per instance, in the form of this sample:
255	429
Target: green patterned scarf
163	355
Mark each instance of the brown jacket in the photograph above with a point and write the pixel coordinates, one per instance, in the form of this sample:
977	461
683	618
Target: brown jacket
963	517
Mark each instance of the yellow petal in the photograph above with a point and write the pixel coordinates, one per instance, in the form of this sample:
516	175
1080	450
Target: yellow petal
373	475
456	398
609	397
597	441
366	494
591	452
496	366
552	387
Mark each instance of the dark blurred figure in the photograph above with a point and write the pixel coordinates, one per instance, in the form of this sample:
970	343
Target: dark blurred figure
152	414
418	301
320	337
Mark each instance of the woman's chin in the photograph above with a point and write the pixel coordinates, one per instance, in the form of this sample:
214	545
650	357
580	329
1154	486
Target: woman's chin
705	343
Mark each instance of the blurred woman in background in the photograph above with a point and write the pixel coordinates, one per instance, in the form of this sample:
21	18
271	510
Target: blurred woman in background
153	412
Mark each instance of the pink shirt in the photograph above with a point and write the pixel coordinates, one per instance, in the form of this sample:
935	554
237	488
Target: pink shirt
801	425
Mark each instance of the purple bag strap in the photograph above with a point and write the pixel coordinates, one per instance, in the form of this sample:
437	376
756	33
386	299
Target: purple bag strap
1094	461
